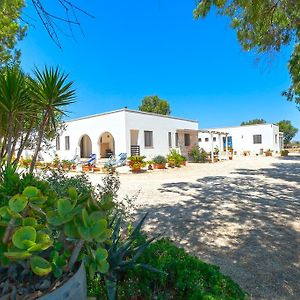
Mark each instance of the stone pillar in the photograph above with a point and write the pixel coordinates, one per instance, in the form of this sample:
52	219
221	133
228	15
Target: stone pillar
212	147
226	143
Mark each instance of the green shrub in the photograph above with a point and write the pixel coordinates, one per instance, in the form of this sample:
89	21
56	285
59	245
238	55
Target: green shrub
175	158
187	278
198	154
284	152
159	159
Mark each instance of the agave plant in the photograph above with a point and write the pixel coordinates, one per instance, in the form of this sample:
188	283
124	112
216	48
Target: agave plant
122	254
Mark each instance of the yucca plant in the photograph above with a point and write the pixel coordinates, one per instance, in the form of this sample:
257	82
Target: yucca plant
52	92
123	253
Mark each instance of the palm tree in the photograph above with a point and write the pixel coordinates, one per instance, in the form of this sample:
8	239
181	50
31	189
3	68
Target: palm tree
52	92
15	105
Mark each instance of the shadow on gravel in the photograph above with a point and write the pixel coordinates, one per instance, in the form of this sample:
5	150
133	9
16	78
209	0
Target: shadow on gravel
244	224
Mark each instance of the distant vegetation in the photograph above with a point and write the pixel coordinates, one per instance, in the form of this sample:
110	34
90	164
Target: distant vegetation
155	105
253	122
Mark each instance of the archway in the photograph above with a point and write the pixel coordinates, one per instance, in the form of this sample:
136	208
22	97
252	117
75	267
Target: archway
85	146
106	145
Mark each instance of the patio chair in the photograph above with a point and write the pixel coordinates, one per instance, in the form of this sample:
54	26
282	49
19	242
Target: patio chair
90	161
119	161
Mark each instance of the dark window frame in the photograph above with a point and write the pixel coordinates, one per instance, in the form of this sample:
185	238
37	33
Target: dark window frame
187	139
257	139
148	143
67	142
57	143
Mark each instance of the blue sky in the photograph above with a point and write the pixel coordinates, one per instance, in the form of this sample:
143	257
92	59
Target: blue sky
135	48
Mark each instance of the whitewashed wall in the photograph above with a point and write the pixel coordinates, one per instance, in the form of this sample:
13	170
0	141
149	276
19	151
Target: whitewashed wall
242	138
119	124
160	125
94	127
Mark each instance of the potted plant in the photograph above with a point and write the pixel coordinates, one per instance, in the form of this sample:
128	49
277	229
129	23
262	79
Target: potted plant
109	169
42	237
136	163
284	152
159	162
183	160
268	152
150	164
174	158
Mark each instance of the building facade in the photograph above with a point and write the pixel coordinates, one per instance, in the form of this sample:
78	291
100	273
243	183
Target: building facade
250	139
125	131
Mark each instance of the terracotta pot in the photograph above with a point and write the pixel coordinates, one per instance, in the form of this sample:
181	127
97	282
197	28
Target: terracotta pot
159	166
135	169
183	163
86	168
96	169
230	157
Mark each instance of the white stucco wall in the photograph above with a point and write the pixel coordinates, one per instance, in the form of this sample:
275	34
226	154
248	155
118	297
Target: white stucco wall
242	138
120	124
160	126
94	127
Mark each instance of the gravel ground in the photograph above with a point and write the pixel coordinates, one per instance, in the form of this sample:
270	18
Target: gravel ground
242	215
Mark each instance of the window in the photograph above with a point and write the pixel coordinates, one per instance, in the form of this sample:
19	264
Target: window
176	140
200	140
214	139
67	142
187	139
257	139
170	139
57	143
206	139
276	139
148	138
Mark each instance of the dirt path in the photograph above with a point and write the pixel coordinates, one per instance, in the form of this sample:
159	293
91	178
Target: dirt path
242	215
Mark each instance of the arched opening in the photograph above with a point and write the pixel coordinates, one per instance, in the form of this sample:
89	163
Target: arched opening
106	145
85	146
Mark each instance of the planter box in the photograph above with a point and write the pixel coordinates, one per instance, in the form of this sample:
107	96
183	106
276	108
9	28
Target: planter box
96	169
268	153
159	166
74	289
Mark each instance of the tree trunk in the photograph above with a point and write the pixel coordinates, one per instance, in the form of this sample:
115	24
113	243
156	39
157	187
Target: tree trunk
9	141
23	143
39	142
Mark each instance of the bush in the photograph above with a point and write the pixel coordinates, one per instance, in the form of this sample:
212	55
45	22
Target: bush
198	154
159	160
284	152
187	277
175	158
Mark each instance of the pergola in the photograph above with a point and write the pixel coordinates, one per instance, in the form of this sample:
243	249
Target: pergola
219	134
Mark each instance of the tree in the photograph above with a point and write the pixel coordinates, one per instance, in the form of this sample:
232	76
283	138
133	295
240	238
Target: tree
11	30
253	122
156	105
289	131
264	26
52	92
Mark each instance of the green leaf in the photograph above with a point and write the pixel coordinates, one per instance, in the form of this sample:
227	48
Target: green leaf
64	207
101	254
54	219
85	217
57	271
22	235
17	203
29	222
40	266
72	193
85	233
39	200
17	255
98	228
103	266
30	192
70	230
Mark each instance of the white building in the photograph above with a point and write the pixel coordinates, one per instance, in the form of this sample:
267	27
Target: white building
125	131
251	139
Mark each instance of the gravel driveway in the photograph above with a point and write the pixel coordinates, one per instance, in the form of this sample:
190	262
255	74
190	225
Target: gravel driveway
242	215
